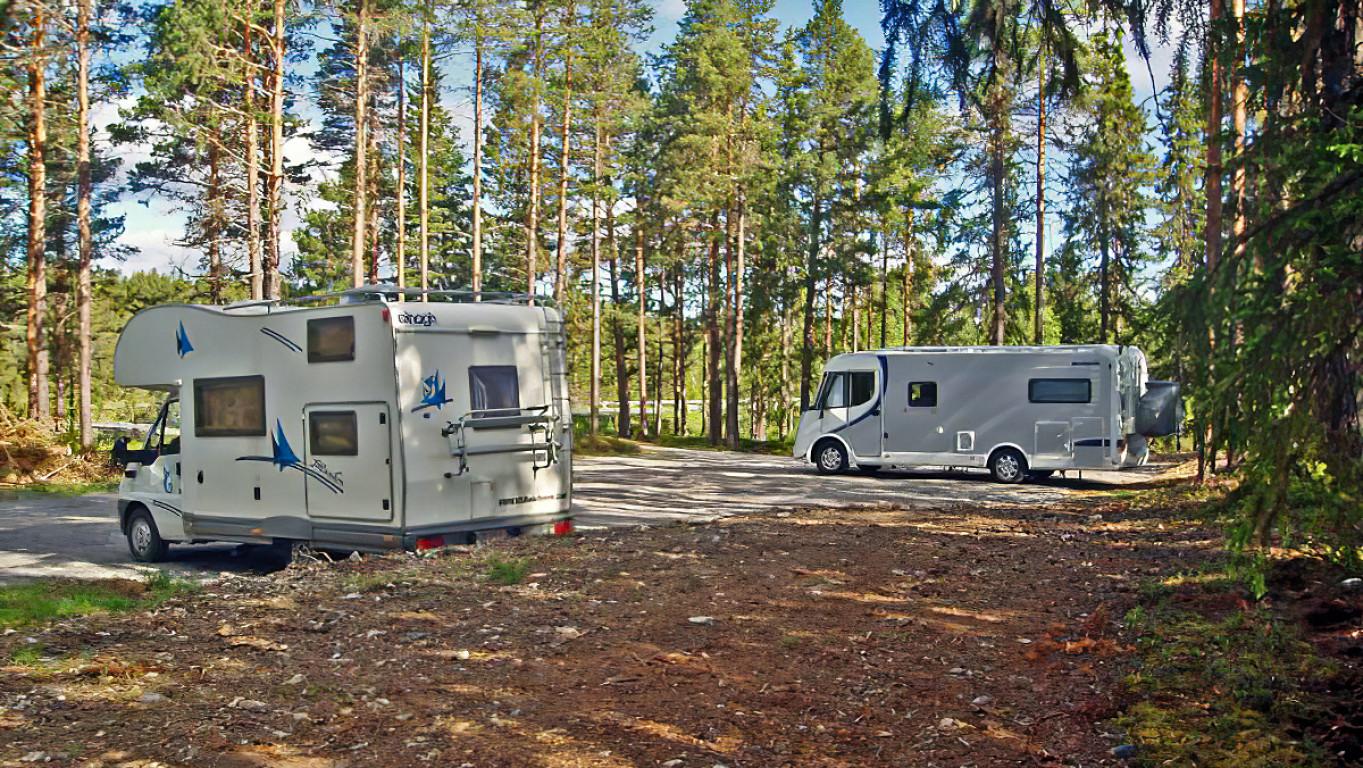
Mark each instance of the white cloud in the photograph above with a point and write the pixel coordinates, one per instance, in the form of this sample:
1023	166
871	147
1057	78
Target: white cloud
156	251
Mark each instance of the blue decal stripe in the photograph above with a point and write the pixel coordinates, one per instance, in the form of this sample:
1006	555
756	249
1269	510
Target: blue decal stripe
281	338
323	479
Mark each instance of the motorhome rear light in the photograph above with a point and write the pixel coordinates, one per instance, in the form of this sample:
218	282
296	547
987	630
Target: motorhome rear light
434	542
387	316
563	527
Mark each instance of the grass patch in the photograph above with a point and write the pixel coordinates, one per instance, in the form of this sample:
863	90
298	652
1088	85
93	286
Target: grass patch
80	488
783	447
508	572
1222	681
27	654
26	604
604	445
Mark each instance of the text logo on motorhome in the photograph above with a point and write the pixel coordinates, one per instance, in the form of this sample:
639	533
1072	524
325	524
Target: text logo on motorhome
432	393
284	457
427	320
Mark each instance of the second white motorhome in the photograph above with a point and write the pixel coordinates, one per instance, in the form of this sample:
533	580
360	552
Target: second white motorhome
1017	411
358	421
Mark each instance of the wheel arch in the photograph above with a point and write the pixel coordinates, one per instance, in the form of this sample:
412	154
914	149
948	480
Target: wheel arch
825	437
126	510
1026	455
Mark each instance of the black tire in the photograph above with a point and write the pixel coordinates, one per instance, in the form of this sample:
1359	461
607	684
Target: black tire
1008	465
830	458
144	541
1039	474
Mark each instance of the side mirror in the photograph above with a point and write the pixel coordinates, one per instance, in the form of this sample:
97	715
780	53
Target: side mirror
119	454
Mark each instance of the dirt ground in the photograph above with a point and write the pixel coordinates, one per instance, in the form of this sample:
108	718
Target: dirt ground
961	636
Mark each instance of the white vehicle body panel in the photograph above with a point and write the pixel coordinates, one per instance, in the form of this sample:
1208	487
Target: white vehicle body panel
373	450
982	399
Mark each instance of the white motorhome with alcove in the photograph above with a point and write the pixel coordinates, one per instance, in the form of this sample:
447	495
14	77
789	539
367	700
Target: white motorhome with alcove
376	418
1020	412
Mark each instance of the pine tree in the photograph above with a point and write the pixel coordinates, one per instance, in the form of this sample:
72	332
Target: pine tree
1108	184
839	70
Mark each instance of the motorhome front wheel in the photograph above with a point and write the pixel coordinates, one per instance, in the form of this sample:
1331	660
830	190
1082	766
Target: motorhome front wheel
144	541
1008	466
831	459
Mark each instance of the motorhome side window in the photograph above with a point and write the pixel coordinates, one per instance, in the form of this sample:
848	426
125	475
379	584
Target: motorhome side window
333	433
494	388
331	339
229	407
922	394
833	393
863	385
1059	391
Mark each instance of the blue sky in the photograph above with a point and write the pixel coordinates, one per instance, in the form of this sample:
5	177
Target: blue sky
153	228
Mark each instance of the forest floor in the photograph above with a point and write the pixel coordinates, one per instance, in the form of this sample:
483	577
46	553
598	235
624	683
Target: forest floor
969	635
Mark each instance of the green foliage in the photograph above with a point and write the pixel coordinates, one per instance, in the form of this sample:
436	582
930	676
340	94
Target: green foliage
1223	684
26	604
508	572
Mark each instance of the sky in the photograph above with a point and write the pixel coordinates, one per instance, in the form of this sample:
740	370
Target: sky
153	227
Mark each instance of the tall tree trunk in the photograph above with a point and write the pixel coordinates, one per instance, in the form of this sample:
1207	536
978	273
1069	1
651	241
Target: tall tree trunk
84	293
375	173
213	226
400	250
731	397
853	295
705	382
359	240
811	282
37	220
1239	99
1104	288
424	158
641	288
715	422
741	248
478	158
785	370
622	419
904	305
532	218
884	281
996	181
828	319
595	394
61	302
1038	336
680	353
275	181
254	258
1206	456
1212	184
561	256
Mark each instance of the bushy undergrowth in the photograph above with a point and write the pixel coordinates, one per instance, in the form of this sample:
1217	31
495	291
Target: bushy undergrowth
1223	681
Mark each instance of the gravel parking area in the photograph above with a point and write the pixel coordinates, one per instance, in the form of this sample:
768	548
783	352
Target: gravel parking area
78	537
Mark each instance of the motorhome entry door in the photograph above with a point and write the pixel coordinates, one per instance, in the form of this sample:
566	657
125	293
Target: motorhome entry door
348	461
863	427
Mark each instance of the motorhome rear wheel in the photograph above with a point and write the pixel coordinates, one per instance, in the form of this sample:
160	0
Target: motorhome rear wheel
1008	465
